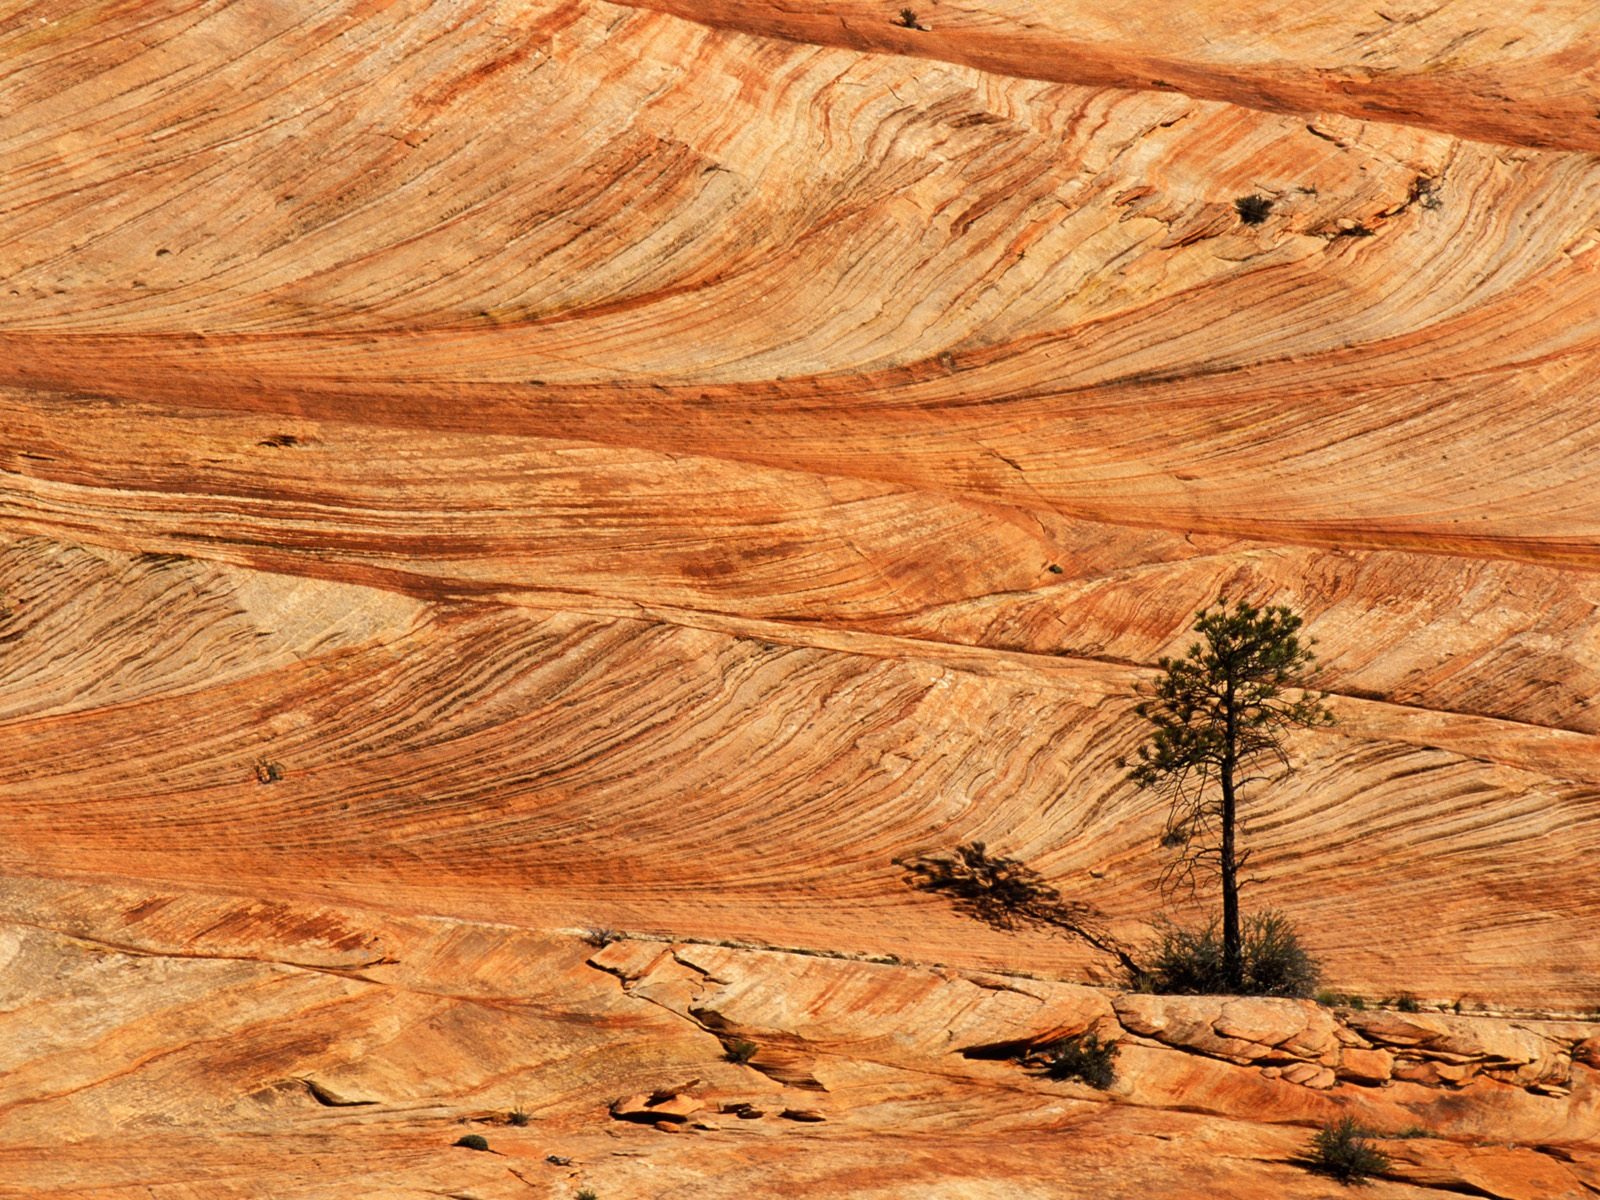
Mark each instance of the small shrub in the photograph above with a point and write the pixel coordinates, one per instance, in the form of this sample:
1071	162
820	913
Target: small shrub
587	1194
600	937
518	1117
1188	962
908	19
740	1050
1411	1132
1084	1057
473	1141
1407	1003
1342	1000
1341	1149
1253	210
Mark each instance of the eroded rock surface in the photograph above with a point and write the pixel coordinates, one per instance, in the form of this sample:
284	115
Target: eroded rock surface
478	472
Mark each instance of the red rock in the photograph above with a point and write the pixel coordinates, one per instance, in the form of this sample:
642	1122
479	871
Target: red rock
476	473
1365	1066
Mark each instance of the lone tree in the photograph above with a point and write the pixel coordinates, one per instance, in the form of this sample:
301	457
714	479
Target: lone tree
1218	714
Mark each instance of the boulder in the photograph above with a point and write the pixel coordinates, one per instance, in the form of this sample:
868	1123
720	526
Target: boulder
1366	1066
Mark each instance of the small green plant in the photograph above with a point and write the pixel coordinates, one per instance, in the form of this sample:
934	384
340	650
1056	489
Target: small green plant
740	1050
600	937
1192	962
587	1194
1411	1132
1341	1000
1407	1003
908	19
1341	1149
518	1118
1252	209
473	1141
1084	1057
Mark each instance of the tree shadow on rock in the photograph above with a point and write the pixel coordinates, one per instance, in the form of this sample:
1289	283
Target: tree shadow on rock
1005	893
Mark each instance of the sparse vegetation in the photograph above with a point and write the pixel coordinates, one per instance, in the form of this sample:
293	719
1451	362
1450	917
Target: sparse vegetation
1253	209
586	1194
518	1117
600	937
740	1050
473	1141
1191	962
1341	1149
1217	715
908	19
1407	1003
1425	191
1084	1057
1341	1000
1411	1132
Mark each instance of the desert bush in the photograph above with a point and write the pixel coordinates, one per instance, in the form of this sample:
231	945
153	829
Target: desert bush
1341	1149
740	1050
600	937
1407	1003
1252	210
473	1141
1341	1000
587	1194
1084	1057
1190	962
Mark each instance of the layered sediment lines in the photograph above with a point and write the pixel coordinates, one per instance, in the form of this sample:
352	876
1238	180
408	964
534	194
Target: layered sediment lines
473	474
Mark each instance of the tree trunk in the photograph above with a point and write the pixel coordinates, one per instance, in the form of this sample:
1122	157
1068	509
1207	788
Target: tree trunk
1232	943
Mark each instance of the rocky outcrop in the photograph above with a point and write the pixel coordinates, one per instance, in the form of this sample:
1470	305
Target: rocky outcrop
134	1013
477	472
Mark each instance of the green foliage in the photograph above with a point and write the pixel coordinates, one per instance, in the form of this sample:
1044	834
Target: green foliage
1407	1003
740	1050
1190	962
473	1141
1216	717
1084	1057
1222	704
518	1117
1341	1000
1341	1149
587	1194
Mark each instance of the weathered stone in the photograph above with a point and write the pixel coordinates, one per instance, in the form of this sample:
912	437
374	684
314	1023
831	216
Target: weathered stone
1309	1075
559	464
1365	1066
1587	1052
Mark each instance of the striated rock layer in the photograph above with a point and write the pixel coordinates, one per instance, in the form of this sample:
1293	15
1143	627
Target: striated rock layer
478	472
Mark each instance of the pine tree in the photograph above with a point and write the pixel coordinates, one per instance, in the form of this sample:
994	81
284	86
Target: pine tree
1218	714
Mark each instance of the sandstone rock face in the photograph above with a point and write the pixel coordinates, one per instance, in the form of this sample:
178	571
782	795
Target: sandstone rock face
474	473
